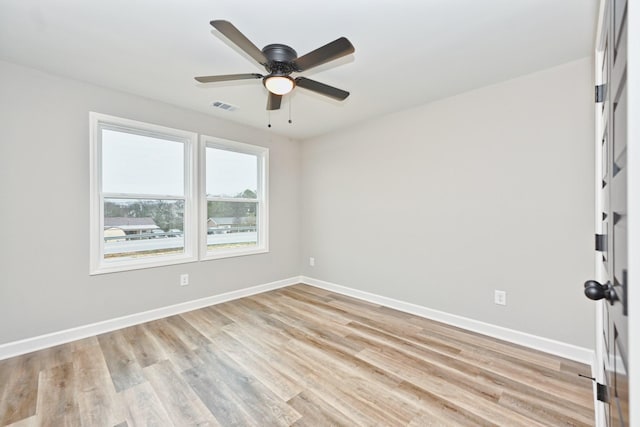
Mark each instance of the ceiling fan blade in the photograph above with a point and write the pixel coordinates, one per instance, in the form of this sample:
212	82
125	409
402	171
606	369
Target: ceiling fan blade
274	101
334	50
228	77
322	89
239	39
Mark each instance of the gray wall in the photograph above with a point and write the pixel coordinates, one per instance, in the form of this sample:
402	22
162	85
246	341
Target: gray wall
437	205
441	204
44	184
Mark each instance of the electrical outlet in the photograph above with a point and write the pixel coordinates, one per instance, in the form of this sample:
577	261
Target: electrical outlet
184	279
312	261
500	297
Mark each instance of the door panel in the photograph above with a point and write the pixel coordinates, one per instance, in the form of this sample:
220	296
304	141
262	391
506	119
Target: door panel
612	202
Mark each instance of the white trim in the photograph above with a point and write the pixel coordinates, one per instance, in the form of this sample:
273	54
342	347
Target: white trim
633	199
558	348
234	252
97	264
262	197
598	413
597	370
28	345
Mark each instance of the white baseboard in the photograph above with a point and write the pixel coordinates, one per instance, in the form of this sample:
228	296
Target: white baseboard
558	348
28	345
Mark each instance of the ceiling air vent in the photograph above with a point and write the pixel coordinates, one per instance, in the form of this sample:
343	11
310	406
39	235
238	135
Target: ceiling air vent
224	106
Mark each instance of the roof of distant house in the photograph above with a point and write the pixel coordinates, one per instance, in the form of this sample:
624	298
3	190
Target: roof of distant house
130	223
222	220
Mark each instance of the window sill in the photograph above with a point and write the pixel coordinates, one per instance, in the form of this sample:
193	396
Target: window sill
233	253
116	267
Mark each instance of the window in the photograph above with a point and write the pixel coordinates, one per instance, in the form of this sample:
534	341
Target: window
233	205
143	196
143	210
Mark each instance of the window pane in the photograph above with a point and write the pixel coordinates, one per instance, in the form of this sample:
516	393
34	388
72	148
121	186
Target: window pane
137	164
135	228
231	174
231	225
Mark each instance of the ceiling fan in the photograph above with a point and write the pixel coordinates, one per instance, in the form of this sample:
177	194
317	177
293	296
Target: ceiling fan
280	61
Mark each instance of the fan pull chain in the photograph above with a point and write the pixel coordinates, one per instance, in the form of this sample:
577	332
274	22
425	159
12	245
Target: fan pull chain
269	118
290	111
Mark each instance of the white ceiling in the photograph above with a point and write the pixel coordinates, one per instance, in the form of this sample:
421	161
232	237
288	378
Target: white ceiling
408	52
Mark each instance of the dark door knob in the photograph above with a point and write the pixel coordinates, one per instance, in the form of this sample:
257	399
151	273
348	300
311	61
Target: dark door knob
596	291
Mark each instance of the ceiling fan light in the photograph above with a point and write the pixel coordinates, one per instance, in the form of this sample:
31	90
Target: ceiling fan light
279	85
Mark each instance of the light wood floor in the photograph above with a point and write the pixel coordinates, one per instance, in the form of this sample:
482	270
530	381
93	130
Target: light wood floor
294	356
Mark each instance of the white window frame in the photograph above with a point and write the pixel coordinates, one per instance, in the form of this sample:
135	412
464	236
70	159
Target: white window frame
262	219
98	265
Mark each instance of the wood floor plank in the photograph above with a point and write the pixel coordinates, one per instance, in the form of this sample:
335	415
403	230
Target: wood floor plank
94	391
54	356
477	374
57	403
121	361
302	328
495	364
254	305
323	355
319	292
299	356
433	364
547	381
218	397
273	330
281	358
362	315
257	399
143	407
540	376
172	343
318	307
306	294
303	312
457	335
206	326
166	336
145	347
471	339
271	298
337	366
329	383
179	400
281	384
574	368
546	414
18	388
317	412
362	380
437	410
403	339
26	422
187	333
215	317
461	397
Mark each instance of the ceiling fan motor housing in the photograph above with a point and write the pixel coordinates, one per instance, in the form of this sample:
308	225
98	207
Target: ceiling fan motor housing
280	59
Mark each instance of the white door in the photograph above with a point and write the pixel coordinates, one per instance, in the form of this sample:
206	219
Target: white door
612	287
